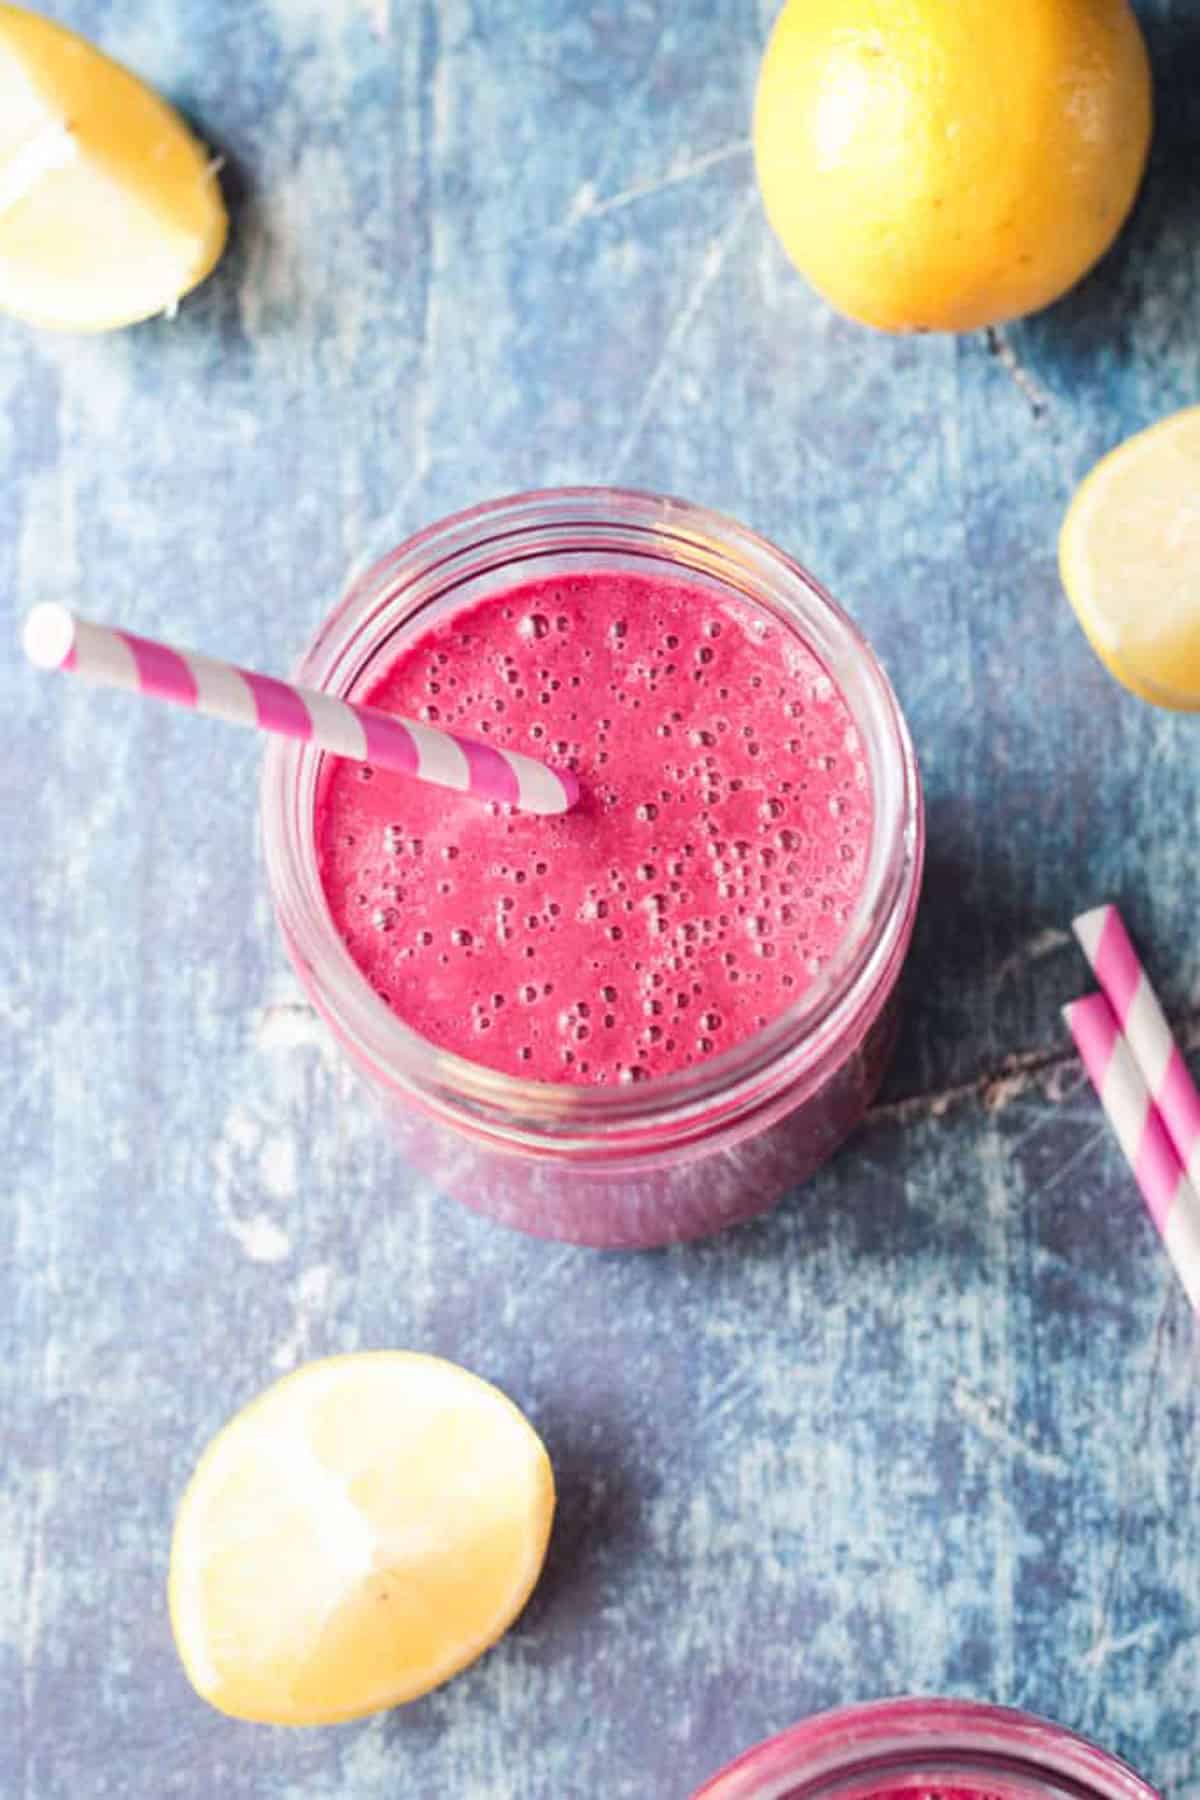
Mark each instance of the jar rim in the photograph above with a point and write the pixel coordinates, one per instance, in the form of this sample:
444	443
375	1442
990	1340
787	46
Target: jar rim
891	1744
513	532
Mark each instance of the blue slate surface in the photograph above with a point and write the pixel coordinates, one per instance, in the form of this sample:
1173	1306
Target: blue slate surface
933	1425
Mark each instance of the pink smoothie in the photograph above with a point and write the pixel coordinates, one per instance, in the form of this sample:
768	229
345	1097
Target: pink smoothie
939	1793
704	879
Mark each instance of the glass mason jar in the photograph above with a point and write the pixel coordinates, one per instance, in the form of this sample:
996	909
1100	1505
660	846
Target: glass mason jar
926	1748
676	1156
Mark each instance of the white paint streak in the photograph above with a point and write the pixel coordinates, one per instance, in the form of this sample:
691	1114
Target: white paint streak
584	204
277	1167
258	1237
45	1488
290	1025
95	389
242	1130
311	1297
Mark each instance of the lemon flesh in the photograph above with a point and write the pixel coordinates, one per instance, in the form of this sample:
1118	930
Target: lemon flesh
110	210
941	165
358	1534
1129	554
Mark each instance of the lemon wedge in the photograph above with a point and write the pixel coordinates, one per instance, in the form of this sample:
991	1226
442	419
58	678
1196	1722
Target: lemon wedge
358	1534
110	211
1129	553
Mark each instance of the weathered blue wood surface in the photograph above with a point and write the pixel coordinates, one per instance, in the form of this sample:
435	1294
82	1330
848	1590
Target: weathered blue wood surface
934	1425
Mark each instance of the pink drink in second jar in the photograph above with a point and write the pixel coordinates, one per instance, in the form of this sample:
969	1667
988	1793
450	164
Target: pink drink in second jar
701	885
910	1749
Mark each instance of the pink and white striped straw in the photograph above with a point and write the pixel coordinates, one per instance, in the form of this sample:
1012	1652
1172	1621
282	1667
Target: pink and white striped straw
1124	981
56	638
1172	1200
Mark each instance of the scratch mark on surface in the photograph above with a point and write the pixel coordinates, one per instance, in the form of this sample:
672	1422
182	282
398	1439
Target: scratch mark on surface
1101	1135
999	347
1042	944
586	204
311	1298
1055	1072
1104	1647
618	130
1055	1112
986	1415
715	259
1004	1089
994	1090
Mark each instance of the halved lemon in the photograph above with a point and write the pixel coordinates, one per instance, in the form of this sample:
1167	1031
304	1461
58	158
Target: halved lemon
110	211
1129	553
358	1534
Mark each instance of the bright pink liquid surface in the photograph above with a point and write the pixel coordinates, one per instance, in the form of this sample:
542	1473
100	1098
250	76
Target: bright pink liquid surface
701	883
934	1793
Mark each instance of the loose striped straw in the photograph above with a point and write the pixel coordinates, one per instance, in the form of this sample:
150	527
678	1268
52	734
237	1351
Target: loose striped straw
55	638
1124	981
1170	1196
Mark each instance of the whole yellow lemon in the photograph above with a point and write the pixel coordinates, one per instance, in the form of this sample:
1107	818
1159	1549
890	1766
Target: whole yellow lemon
939	165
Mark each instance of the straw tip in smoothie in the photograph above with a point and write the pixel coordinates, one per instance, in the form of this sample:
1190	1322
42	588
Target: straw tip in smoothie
48	635
569	784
